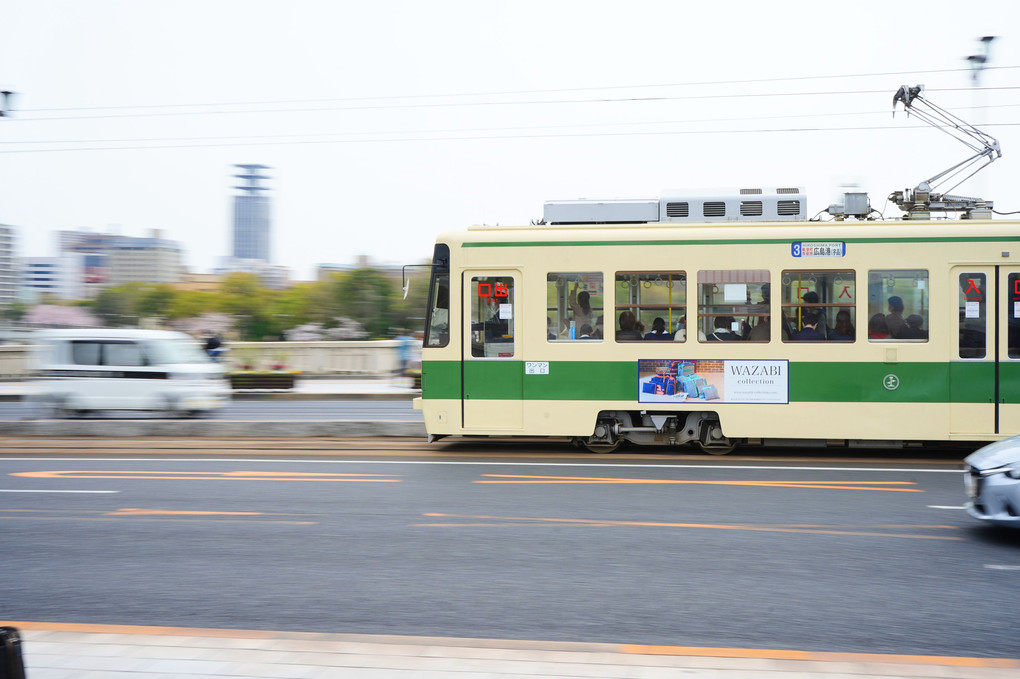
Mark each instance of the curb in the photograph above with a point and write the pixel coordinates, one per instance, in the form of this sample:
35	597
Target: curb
215	428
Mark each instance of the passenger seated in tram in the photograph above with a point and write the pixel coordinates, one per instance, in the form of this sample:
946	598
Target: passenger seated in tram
844	330
586	332
811	297
809	330
659	331
877	328
722	330
912	328
599	332
681	331
627	323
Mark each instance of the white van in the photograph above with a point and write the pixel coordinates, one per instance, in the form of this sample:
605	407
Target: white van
112	369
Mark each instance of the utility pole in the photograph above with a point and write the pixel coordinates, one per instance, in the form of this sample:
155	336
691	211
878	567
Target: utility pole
978	63
5	103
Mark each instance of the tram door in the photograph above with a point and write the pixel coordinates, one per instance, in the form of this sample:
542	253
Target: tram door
493	376
984	371
1009	350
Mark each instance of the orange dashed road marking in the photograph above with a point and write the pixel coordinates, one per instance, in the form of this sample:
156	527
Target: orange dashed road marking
209	476
134	511
894	486
873	531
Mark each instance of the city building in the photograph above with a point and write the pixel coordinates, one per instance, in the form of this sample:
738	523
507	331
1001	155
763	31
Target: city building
8	266
251	215
273	276
144	260
325	271
198	282
63	276
112	259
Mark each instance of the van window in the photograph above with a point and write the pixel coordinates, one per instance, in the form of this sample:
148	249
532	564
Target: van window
123	353
91	352
175	351
86	353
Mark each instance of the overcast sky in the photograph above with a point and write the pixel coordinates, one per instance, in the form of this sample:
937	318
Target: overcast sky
386	123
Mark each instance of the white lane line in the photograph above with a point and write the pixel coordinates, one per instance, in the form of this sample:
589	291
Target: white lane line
288	460
946	507
3	490
999	567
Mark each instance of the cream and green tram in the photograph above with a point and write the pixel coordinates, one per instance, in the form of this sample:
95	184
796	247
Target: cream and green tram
724	320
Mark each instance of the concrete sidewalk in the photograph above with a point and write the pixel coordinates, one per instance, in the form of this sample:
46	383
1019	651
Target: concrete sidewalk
66	651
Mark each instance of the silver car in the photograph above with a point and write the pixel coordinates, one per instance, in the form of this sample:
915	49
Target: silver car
992	480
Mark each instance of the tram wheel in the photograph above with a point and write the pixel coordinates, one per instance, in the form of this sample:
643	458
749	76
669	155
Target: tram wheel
600	447
717	448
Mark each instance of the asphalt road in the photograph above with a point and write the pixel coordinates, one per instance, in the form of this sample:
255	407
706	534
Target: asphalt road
518	543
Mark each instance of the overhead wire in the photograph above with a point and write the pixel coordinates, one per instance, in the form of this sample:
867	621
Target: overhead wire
645	123
486	138
529	102
705	83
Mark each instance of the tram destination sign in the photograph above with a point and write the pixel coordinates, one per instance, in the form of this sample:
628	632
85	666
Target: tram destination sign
818	249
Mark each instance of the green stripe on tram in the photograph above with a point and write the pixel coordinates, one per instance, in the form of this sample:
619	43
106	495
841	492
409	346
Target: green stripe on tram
833	382
734	241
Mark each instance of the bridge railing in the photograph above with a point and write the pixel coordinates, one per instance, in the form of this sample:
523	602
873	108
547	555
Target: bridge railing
355	358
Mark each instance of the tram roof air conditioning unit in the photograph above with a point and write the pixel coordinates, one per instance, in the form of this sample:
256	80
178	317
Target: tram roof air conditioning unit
749	204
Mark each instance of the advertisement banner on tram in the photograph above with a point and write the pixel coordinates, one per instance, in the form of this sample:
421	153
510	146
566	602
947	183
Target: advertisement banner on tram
716	380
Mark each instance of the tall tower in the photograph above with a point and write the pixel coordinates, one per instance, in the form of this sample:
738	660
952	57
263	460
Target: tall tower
251	215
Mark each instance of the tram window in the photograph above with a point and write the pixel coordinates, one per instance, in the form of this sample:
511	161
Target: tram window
1013	315
972	299
819	306
733	305
656	302
492	316
439	312
896	296
574	306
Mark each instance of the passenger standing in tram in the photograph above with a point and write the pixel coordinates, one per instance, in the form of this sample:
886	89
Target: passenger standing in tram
580	304
766	300
762	330
894	319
